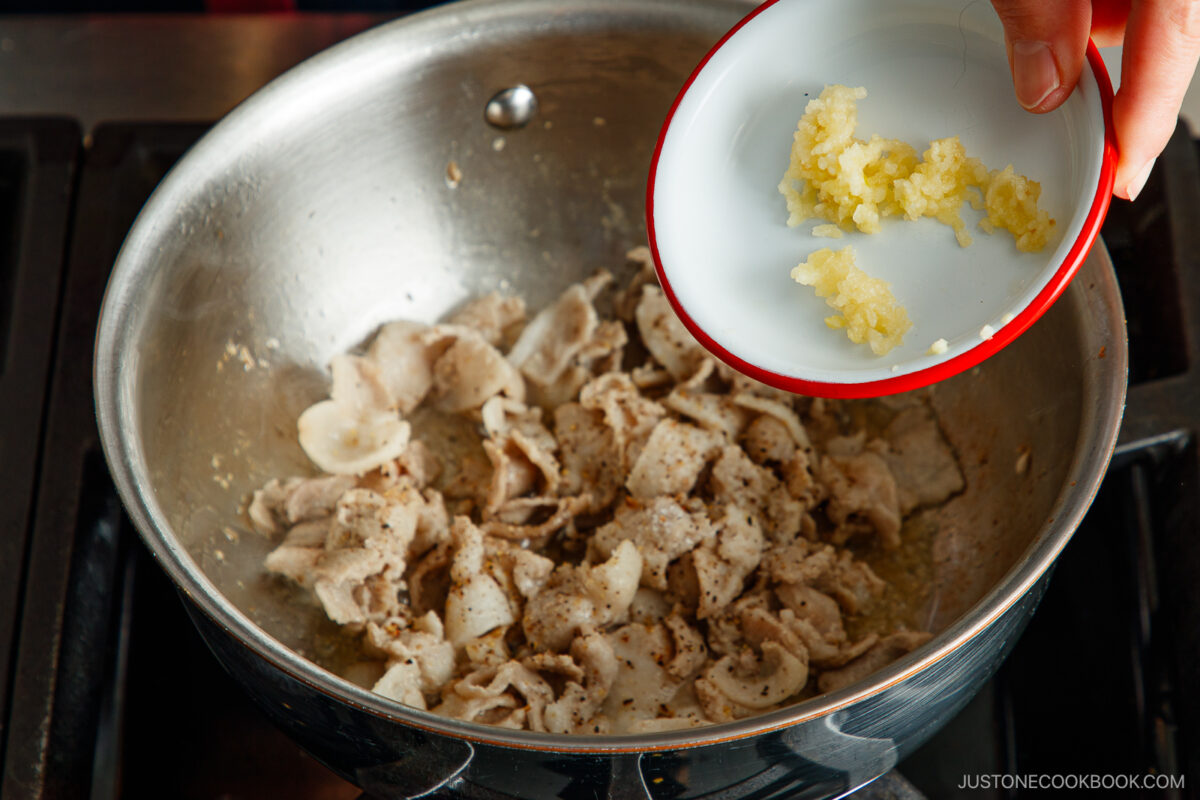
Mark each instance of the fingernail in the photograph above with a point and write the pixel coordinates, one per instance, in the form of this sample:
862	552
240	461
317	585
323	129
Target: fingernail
1139	181
1035	75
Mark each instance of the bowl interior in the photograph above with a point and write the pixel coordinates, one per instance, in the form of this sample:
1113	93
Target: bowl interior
321	209
932	70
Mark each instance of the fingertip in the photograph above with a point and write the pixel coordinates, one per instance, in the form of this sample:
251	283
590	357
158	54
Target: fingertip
1051	101
1131	180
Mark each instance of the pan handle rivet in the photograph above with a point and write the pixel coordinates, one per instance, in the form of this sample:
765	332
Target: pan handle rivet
511	108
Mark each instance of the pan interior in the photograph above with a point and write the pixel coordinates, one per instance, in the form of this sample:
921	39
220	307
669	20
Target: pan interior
323	208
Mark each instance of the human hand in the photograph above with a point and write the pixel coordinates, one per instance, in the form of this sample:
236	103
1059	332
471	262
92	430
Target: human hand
1047	41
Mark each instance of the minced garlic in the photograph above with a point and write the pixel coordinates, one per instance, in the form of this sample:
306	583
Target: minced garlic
1011	202
836	177
938	186
854	183
866	307
827	231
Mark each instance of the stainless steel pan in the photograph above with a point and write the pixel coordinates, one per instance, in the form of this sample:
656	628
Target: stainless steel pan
320	208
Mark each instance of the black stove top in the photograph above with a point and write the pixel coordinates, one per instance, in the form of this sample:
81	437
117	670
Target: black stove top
106	691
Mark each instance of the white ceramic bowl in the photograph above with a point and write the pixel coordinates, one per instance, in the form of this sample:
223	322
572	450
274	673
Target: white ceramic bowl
932	68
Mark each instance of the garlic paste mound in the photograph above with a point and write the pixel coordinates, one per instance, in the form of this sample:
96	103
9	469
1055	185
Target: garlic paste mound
865	306
854	183
579	522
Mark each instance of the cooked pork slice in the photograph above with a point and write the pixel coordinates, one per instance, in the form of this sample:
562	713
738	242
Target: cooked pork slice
645	682
347	445
313	498
665	336
759	624
541	455
690	652
356	430
295	562
631	416
603	351
736	480
799	479
494	315
800	561
513	475
862	496
649	606
741	685
423	642
429	579
477	696
767	440
404	361
887	650
489	650
402	683
662	529
521	511
778	409
581	597
433	522
925	469
564	390
723	564
847	652
724	633
590	459
366	519
476	603
419	463
310	533
519	573
471	372
553	617
818	609
626	300
357	574
357	386
698	380
554	664
503	416
380	596
537	533
573	711
556	335
350	566
267	506
612	584
338	601
650	376
530	571
801	636
715	412
672	459
850	582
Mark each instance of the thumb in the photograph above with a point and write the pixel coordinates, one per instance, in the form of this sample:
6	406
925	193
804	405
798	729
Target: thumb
1046	45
